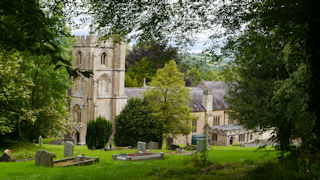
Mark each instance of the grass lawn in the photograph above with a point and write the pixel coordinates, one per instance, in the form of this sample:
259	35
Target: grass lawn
229	163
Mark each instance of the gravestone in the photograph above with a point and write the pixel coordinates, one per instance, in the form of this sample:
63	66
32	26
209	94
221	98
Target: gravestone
44	158
142	146
40	141
68	149
201	144
169	141
153	145
79	158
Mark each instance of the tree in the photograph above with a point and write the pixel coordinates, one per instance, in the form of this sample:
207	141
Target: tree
98	133
136	122
170	100
294	23
48	95
143	61
15	93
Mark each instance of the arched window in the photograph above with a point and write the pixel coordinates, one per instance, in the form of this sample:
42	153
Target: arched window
104	86
103	58
77	86
79	58
76	113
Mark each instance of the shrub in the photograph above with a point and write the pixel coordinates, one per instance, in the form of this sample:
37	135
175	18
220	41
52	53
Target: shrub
48	140
236	144
136	122
98	133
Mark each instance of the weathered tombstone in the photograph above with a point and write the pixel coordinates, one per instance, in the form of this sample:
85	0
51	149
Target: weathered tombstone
201	144
153	145
169	141
79	158
142	146
140	153
68	149
161	155
44	158
40	141
178	150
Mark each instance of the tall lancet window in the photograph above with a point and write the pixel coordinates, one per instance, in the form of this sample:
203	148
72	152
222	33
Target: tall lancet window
76	113
79	58
104	86
103	58
77	86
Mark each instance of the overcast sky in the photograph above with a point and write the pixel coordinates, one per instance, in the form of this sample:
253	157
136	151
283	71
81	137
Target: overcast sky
197	48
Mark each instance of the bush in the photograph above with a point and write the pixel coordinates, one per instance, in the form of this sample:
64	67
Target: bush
48	140
137	123
98	133
236	144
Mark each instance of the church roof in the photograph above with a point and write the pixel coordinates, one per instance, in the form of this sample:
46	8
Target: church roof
196	102
218	92
134	92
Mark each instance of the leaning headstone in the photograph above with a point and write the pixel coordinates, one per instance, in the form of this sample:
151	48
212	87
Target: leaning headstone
201	144
68	149
44	158
153	145
142	146
40	141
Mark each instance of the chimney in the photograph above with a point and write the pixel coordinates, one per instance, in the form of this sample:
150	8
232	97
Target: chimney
91	29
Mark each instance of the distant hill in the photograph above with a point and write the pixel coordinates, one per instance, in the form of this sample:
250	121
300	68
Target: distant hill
205	62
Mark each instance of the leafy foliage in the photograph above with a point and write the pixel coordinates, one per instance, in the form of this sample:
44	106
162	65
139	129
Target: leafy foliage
35	27
98	133
136	122
15	93
42	108
144	60
196	70
170	100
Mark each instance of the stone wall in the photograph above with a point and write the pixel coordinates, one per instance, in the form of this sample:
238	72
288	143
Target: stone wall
103	93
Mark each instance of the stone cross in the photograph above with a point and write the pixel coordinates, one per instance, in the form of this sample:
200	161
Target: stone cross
142	146
40	141
44	158
68	148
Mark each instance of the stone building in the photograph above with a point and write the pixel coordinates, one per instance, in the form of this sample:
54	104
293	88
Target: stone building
103	93
210	107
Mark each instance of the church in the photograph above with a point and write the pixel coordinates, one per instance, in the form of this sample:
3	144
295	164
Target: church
104	95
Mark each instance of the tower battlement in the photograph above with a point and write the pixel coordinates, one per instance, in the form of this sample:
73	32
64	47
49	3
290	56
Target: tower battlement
93	41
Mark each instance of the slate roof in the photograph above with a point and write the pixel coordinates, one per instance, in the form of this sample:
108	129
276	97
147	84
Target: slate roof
134	92
196	102
229	127
218	89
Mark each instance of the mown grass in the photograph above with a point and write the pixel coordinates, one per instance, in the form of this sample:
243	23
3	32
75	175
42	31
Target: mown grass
229	163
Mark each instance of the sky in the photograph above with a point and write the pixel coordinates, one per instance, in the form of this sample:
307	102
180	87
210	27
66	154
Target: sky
197	48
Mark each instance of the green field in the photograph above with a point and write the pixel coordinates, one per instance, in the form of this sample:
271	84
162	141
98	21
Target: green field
228	163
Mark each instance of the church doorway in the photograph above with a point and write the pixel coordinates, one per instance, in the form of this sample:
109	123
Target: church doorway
78	138
231	140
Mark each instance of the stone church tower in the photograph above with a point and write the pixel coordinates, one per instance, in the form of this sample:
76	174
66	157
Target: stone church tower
103	93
